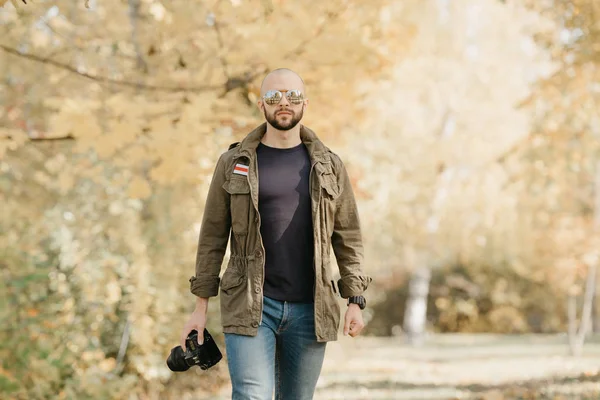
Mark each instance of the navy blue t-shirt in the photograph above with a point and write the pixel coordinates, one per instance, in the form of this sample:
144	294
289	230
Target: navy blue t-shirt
286	222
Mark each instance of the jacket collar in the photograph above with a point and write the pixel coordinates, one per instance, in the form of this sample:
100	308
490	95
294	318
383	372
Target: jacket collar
316	149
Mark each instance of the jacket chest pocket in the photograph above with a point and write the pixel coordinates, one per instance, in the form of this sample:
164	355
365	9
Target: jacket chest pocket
239	191
328	181
330	190
329	194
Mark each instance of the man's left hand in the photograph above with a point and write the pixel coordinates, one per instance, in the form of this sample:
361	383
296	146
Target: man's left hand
353	322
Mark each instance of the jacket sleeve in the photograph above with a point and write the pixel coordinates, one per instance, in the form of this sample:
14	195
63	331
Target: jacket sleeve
213	238
346	239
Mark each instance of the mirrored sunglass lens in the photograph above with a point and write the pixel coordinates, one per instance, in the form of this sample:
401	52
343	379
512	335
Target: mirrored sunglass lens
295	96
272	97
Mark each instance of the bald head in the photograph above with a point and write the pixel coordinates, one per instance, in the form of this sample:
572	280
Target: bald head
282	79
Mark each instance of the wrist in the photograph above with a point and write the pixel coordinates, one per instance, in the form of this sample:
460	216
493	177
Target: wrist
201	305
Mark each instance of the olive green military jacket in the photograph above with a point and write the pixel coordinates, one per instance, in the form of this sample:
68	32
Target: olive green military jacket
231	212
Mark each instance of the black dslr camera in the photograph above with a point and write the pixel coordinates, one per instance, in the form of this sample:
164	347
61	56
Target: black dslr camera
204	356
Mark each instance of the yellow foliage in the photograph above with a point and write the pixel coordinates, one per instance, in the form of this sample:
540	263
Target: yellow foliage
454	152
139	188
507	319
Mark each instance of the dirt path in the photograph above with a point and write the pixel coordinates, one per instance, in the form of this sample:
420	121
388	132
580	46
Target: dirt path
461	367
457	367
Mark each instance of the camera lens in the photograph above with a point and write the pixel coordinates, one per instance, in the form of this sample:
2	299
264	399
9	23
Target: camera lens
176	360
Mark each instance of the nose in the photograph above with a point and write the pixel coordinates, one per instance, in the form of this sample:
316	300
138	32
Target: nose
284	102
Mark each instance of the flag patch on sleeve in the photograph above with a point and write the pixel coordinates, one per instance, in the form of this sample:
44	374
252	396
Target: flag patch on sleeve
241	169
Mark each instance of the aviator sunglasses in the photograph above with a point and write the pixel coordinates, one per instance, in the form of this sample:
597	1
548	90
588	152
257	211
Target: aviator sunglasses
273	97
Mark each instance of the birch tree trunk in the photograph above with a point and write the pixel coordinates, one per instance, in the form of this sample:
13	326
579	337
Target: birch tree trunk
577	334
415	315
596	314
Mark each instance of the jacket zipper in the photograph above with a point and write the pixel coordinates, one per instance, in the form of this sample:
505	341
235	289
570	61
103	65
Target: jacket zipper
263	258
310	179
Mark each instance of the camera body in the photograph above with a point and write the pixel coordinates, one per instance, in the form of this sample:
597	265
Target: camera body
204	356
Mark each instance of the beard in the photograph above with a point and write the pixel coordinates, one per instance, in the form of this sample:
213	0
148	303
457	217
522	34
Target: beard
284	123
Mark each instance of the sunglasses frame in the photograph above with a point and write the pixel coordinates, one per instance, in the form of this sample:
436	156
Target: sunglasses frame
270	95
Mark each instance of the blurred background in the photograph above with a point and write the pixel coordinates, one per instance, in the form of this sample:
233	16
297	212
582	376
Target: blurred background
470	129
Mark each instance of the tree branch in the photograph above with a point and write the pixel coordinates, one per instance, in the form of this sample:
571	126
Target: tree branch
221	48
40	138
331	16
51	139
514	149
134	11
104	79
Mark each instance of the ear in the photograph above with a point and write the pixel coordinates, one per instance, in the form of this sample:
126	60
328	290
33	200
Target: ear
261	105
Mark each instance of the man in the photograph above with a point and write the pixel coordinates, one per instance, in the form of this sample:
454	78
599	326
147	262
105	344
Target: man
284	199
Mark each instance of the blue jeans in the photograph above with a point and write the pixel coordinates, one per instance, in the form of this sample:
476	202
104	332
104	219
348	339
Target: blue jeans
284	355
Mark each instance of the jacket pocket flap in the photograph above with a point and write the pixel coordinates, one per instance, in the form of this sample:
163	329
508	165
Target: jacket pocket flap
231	279
237	186
324	168
329	183
332	191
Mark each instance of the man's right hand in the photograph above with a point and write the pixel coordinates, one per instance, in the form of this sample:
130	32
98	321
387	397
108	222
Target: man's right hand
197	321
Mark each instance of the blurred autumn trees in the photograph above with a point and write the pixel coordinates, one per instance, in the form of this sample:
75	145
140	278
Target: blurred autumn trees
452	121
112	118
470	129
504	203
